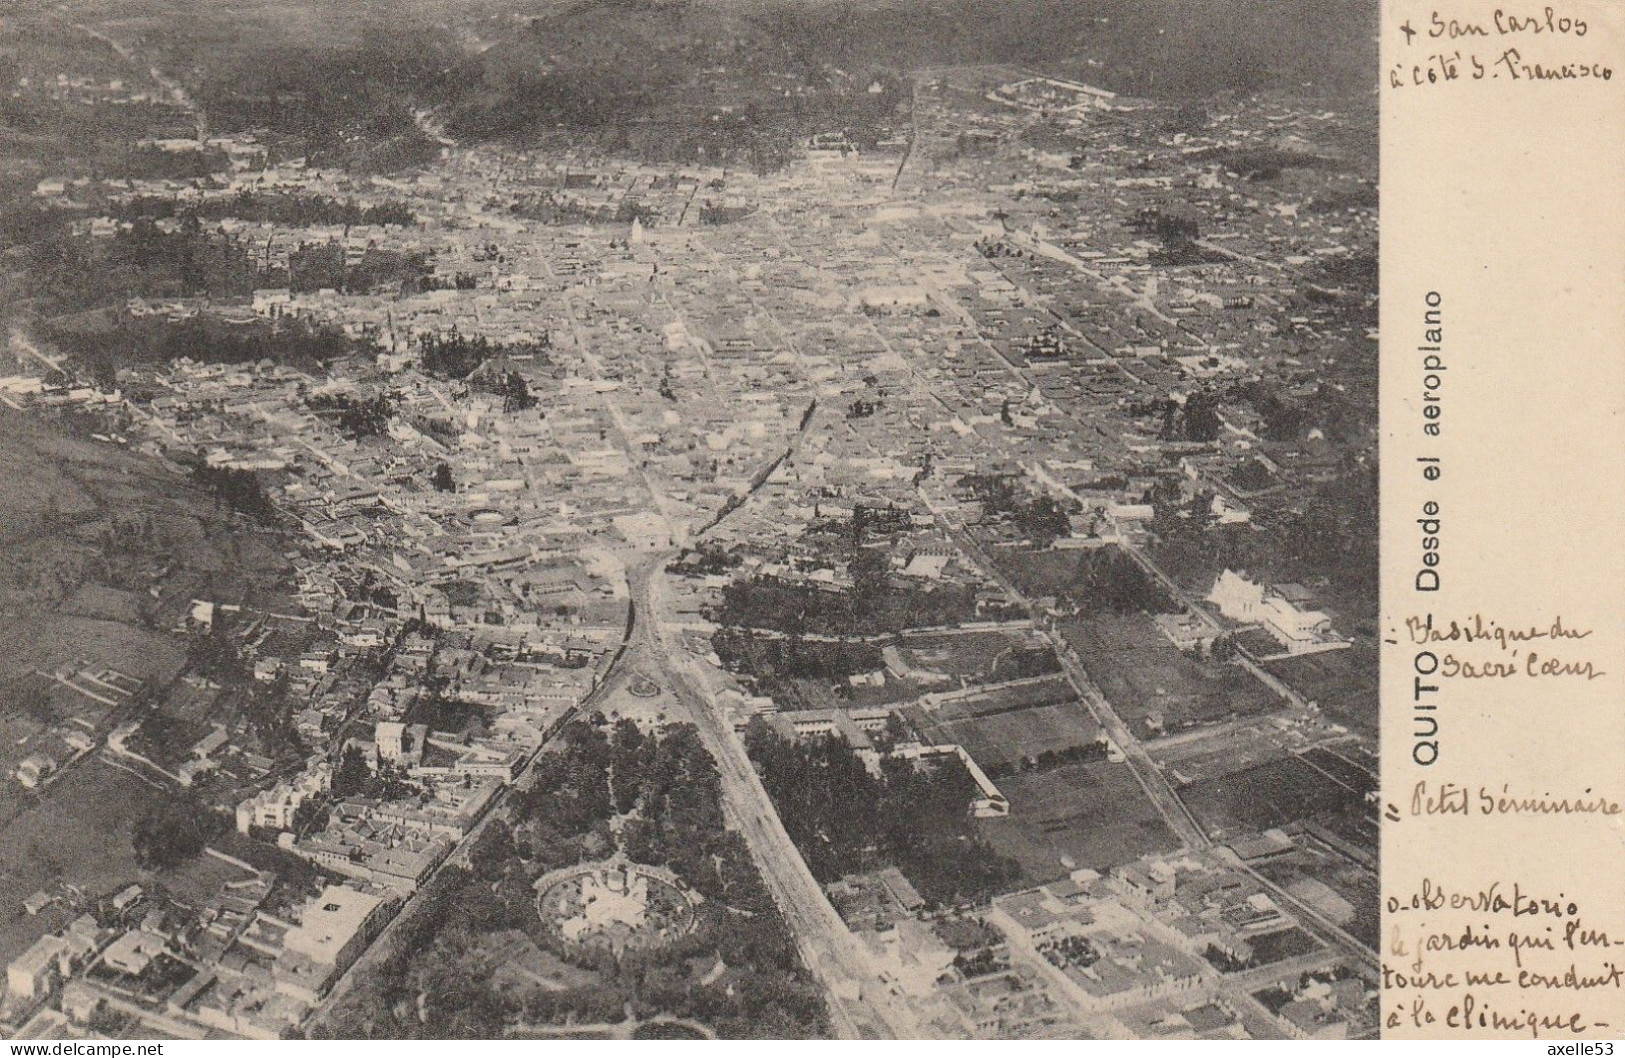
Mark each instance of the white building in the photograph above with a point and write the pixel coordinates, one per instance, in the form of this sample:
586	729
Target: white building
275	808
1245	602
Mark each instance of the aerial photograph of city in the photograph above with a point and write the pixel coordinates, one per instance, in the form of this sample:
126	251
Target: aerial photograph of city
688	519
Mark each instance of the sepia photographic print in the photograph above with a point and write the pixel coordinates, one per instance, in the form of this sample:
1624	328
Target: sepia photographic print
689	519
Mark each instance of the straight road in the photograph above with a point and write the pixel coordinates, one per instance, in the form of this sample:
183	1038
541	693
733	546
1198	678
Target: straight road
1146	773
859	1005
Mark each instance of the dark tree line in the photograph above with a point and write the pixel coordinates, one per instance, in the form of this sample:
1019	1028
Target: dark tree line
200	339
872	606
794	657
72	274
325	266
1050	759
238	489
1197	419
1107	580
286	208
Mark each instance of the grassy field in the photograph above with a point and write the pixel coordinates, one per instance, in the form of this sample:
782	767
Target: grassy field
78	832
1221	749
1343	682
1039	572
1269	795
1011	697
975	657
1005	738
1144	675
1094	815
1354	883
88	532
44	641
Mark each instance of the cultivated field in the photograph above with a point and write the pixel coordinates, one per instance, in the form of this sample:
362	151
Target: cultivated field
1145	676
1343	682
1005	738
1269	795
1092	815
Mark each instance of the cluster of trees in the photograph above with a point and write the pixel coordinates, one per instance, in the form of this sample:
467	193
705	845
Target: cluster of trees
237	488
203	339
1107	580
289	208
551	208
664	788
872	606
357	776
151	162
1040	518
1192	546
359	417
721	213
793	657
1169	227
678	82
1179	235
1024	663
1070	951
1251	475
705	560
846	820
455	355
72	274
862	409
269	710
443	710
460	281
214	653
1197	419
302	210
324	266
1327	534
342	94
173	830
516	396
981	962
1334	533
1326	408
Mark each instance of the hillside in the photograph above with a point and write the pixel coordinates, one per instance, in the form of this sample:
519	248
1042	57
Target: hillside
703	79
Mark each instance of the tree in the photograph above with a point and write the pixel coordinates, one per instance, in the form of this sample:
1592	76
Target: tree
213	654
1202	422
354	773
368	417
441	478
1043	521
516	396
173	831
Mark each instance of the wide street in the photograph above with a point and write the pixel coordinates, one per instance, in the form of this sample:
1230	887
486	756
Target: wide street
860	1006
